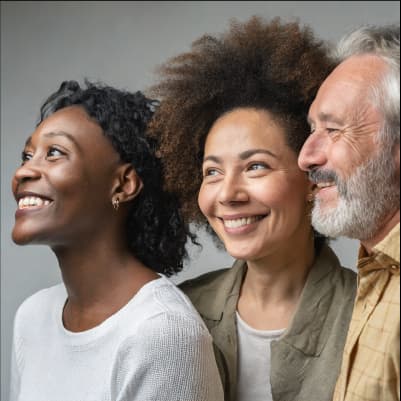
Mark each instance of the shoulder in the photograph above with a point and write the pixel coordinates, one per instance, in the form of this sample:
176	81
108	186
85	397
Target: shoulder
166	337
209	292
211	281
329	269
164	306
172	350
36	314
215	282
41	302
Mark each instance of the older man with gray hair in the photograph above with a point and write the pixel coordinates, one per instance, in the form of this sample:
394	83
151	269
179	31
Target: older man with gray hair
353	157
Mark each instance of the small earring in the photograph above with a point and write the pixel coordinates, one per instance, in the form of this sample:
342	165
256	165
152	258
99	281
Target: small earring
116	204
311	198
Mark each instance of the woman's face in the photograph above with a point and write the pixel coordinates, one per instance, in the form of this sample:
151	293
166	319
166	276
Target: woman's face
253	193
63	186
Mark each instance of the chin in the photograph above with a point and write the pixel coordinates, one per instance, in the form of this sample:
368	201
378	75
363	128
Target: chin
243	254
20	238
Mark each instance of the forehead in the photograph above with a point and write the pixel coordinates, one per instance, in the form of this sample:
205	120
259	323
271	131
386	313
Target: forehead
75	125
245	128
348	87
73	120
72	127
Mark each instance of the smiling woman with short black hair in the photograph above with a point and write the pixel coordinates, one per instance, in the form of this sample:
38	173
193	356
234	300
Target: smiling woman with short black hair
90	187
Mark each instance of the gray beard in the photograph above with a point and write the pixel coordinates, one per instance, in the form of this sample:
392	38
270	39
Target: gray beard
365	199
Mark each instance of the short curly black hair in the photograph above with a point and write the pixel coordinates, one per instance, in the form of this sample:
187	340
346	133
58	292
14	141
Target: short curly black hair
267	65
156	231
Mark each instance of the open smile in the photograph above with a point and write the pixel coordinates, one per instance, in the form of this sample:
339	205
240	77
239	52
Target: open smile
322	185
241	224
31	202
326	191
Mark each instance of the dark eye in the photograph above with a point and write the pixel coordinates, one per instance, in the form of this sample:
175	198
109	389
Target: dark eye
211	172
54	152
25	156
331	130
258	166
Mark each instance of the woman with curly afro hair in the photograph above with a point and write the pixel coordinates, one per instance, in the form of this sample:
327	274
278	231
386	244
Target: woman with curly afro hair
90	186
231	123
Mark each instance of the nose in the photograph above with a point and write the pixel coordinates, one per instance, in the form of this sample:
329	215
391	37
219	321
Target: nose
233	191
27	171
313	152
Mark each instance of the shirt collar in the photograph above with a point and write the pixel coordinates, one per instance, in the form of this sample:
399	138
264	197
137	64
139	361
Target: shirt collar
390	245
386	254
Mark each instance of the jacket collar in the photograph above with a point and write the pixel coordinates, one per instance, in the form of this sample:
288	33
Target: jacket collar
305	331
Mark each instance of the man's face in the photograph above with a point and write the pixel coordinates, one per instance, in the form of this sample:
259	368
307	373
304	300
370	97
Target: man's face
354	172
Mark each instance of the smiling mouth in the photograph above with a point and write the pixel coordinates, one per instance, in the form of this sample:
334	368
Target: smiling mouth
322	185
31	202
242	222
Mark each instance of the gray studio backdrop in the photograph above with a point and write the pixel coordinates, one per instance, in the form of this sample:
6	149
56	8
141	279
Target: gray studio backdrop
120	43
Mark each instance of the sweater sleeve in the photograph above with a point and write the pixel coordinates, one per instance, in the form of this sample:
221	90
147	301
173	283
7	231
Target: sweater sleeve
171	359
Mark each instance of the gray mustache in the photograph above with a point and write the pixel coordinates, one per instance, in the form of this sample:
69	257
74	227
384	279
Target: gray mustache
317	176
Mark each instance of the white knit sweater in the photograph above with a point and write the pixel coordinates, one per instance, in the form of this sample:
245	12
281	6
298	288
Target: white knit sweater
156	348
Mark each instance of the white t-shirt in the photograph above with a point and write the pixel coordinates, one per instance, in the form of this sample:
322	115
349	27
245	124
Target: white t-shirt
155	348
254	362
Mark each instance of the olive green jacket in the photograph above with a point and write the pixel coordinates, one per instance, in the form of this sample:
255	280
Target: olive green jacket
305	362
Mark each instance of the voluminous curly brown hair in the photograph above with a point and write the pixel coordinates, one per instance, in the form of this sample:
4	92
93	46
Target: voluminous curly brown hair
272	66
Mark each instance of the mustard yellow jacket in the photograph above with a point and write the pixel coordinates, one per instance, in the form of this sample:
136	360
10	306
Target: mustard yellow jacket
305	362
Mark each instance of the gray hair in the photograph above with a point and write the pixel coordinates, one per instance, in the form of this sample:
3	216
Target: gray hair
383	42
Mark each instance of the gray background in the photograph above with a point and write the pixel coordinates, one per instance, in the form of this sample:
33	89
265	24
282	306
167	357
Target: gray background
120	43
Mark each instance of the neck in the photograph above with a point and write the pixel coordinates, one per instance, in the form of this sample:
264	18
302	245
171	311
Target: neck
382	232
272	287
280	276
99	280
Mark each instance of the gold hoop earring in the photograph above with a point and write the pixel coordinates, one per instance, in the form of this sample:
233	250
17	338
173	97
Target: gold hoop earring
116	204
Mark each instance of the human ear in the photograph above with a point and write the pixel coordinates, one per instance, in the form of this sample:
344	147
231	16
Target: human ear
127	185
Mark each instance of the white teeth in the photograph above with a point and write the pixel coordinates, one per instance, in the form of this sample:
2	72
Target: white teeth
241	222
325	184
32	201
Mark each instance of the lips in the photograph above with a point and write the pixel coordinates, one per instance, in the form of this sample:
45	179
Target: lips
28	200
322	185
32	202
241	222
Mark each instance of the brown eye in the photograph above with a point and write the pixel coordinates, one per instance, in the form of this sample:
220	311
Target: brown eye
25	156
211	172
54	152
258	166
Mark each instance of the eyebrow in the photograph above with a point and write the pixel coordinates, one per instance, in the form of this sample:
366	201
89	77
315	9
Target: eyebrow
249	153
324	117
56	134
244	155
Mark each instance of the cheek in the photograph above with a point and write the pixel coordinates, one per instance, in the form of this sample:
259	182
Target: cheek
289	195
271	192
351	150
206	199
